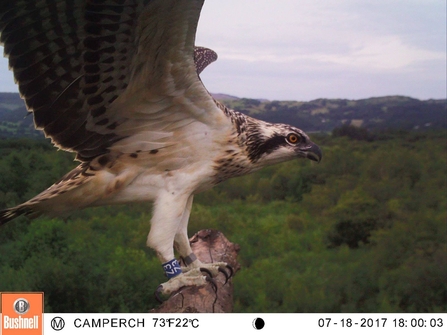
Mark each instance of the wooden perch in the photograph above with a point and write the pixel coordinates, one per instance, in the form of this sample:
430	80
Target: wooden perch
209	246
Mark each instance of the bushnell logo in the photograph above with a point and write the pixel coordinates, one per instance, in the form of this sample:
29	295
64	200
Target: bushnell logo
22	313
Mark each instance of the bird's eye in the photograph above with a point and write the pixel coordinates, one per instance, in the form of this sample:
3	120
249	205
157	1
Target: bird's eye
293	138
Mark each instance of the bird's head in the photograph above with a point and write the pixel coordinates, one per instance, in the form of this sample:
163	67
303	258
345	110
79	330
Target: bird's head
268	143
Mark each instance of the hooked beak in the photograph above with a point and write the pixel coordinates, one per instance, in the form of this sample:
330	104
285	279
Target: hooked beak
313	152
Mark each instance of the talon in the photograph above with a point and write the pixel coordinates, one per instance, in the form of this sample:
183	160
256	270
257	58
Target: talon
221	270
213	283
157	294
231	270
207	271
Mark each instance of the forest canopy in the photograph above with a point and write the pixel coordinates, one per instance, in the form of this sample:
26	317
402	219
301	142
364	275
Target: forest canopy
363	231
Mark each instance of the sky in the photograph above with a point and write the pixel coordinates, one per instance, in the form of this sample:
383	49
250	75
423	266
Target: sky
309	49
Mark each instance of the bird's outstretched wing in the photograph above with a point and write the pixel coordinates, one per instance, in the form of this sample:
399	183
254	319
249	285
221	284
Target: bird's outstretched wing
103	73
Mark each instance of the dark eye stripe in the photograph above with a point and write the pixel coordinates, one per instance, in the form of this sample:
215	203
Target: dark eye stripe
259	148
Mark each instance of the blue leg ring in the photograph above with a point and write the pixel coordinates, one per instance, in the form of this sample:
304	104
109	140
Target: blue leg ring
172	268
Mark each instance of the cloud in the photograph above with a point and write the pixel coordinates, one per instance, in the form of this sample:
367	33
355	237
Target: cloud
379	53
374	36
317	48
383	52
289	49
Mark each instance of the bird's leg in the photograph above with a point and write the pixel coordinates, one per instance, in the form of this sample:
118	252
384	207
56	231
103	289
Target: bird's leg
192	263
169	228
165	224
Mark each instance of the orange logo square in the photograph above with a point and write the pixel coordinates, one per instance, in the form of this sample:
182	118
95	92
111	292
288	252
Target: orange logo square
21	313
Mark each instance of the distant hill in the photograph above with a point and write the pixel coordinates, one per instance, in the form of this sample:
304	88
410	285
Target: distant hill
224	97
391	112
14	118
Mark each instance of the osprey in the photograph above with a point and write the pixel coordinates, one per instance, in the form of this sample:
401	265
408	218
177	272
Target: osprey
117	82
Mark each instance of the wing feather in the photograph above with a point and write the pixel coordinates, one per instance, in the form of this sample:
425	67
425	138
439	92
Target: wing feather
203	57
96	72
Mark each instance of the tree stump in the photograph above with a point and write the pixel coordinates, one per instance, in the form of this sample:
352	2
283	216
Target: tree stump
209	246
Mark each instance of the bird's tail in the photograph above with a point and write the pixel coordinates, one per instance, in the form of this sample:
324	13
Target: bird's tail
47	201
9	214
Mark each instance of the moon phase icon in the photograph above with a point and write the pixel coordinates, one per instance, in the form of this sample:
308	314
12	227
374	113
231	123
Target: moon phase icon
258	323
